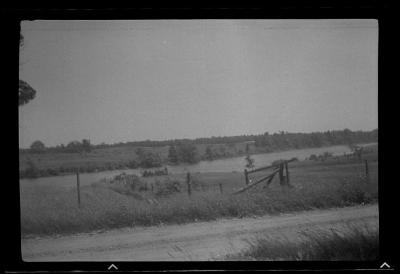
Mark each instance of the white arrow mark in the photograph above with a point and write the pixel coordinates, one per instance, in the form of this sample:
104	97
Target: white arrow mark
385	265
111	266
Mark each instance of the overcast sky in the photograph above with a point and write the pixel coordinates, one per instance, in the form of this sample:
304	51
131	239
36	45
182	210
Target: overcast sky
118	81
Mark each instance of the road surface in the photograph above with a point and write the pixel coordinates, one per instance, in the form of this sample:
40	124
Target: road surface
193	241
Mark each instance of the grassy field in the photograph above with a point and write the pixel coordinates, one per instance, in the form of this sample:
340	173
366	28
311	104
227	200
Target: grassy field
332	183
359	244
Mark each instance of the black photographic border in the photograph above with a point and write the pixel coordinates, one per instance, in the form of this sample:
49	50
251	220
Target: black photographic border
11	18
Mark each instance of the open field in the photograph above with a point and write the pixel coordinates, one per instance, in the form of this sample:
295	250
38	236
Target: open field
210	240
340	182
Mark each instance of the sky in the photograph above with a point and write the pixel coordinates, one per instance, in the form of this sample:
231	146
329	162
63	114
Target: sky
119	81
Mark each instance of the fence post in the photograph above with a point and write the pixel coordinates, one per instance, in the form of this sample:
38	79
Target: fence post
78	189
366	171
188	184
287	174
220	188
281	177
246	176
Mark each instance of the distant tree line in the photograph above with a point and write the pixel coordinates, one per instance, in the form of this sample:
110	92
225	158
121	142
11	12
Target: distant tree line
282	140
185	150
72	147
183	153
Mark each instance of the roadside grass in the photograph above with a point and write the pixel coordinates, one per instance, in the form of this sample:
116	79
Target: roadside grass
355	244
47	210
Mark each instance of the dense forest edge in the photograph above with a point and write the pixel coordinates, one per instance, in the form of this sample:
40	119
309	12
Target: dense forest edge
41	161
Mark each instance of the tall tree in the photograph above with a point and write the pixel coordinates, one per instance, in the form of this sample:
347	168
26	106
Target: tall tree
38	146
188	153
86	146
173	154
25	92
209	155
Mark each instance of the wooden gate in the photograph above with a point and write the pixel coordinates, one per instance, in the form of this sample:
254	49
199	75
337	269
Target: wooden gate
280	168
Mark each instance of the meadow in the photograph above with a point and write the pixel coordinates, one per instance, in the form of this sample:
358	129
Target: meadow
335	182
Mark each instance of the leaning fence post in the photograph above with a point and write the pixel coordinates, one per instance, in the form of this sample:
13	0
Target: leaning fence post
78	188
246	176
188	183
281	177
287	174
366	171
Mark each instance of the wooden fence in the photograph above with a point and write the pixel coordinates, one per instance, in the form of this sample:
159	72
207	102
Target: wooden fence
281	168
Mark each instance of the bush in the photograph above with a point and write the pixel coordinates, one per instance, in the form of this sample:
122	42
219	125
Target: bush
159	172
167	187
313	157
127	184
149	160
132	164
31	171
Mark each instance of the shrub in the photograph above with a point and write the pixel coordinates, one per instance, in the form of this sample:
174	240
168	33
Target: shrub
167	187
31	171
132	164
127	184
313	157
149	160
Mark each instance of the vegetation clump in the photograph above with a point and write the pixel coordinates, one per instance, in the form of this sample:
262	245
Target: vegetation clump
127	184
167	187
158	172
355	244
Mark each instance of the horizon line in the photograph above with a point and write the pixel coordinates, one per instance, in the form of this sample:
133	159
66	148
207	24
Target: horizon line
196	138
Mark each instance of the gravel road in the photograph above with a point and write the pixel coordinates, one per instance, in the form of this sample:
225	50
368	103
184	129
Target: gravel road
193	241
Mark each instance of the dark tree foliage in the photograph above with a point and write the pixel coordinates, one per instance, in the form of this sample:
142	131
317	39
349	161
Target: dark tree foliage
25	91
38	146
149	160
78	147
173	155
86	146
266	142
209	155
188	153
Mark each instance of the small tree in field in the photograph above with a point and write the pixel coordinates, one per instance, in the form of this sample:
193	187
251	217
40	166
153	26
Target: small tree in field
249	161
86	146
209	154
173	155
38	146
31	171
188	153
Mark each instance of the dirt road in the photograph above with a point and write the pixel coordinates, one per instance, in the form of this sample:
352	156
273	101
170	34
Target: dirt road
194	241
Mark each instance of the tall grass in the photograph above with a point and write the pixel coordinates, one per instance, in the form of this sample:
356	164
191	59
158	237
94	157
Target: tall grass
53	210
355	244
